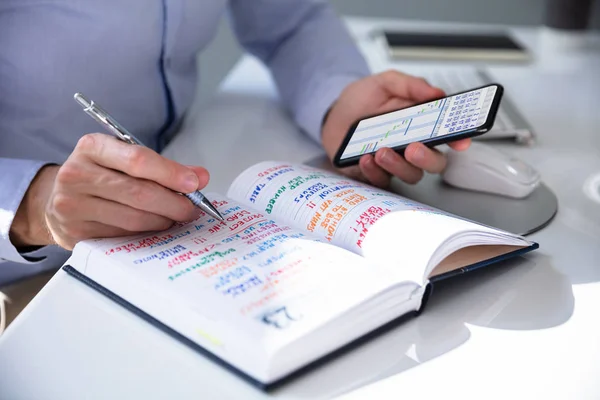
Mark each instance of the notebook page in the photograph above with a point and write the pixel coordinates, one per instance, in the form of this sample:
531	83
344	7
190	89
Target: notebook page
247	282
343	211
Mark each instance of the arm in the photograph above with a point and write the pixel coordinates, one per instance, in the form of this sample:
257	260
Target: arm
308	50
15	197
323	79
105	188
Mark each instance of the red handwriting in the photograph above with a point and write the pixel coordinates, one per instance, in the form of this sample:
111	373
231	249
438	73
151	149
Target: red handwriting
181	258
218	267
220	203
144	243
272	169
366	219
243	219
283	274
259	303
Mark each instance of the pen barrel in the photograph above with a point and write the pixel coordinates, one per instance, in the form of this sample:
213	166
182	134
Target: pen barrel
196	197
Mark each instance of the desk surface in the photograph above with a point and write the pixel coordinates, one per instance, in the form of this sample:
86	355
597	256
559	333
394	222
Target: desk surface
533	323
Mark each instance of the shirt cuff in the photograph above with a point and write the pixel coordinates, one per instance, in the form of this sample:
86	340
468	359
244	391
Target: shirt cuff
310	116
16	178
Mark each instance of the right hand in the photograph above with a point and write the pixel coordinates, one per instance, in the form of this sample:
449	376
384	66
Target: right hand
106	188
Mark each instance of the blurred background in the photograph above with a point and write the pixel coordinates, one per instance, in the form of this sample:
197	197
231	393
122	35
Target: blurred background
224	51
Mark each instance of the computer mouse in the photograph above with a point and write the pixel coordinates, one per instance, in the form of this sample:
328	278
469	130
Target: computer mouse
485	169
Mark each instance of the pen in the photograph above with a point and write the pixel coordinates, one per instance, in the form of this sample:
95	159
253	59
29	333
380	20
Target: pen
102	117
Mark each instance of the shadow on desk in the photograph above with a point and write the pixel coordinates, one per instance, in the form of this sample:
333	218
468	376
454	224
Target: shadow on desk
527	293
522	294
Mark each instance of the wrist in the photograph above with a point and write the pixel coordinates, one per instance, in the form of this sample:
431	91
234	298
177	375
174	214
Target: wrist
29	224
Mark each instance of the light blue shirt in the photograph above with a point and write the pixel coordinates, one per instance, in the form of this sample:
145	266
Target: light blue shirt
138	59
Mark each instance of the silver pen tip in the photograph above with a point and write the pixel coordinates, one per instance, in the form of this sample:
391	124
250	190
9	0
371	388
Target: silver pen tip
212	210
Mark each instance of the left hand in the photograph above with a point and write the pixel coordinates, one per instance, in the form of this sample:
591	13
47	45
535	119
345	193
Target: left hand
377	94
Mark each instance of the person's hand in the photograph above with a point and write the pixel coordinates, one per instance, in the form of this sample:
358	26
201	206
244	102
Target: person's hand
106	188
387	91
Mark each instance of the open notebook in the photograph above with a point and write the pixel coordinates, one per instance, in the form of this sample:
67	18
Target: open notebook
306	264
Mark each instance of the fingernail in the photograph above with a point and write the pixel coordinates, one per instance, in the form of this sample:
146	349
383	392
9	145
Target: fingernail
191	183
418	154
386	156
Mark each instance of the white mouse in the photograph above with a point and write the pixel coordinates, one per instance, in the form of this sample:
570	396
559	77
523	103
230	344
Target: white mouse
484	169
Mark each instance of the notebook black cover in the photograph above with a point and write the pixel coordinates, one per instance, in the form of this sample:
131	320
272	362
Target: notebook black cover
452	41
481	264
303	370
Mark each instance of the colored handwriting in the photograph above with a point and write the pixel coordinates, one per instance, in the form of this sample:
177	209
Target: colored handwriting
199	240
180	259
274	199
217	227
148	242
161	254
309	192
272	169
218	267
230	210
169	240
243	287
354	199
280	172
270	243
261	236
330	190
202	262
366	219
343	193
232	275
256	192
219	203
251	231
312	224
260	303
332	219
280	318
273	259
241	218
299	180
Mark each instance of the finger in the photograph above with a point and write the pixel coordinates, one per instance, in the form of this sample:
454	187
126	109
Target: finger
372	172
140	162
394	104
203	175
354	173
138	193
98	230
460	145
407	86
95	230
93	209
425	158
396	165
69	236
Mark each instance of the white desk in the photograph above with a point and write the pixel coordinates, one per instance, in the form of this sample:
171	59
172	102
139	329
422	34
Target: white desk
533	324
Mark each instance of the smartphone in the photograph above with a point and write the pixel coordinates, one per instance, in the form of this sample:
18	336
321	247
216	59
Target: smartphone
460	115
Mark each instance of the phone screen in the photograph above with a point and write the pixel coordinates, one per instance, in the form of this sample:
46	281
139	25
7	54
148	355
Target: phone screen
448	116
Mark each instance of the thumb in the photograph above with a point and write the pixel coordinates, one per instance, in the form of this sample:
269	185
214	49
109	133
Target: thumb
409	87
202	174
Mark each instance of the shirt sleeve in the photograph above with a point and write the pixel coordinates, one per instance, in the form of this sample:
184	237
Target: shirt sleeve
16	177
306	46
